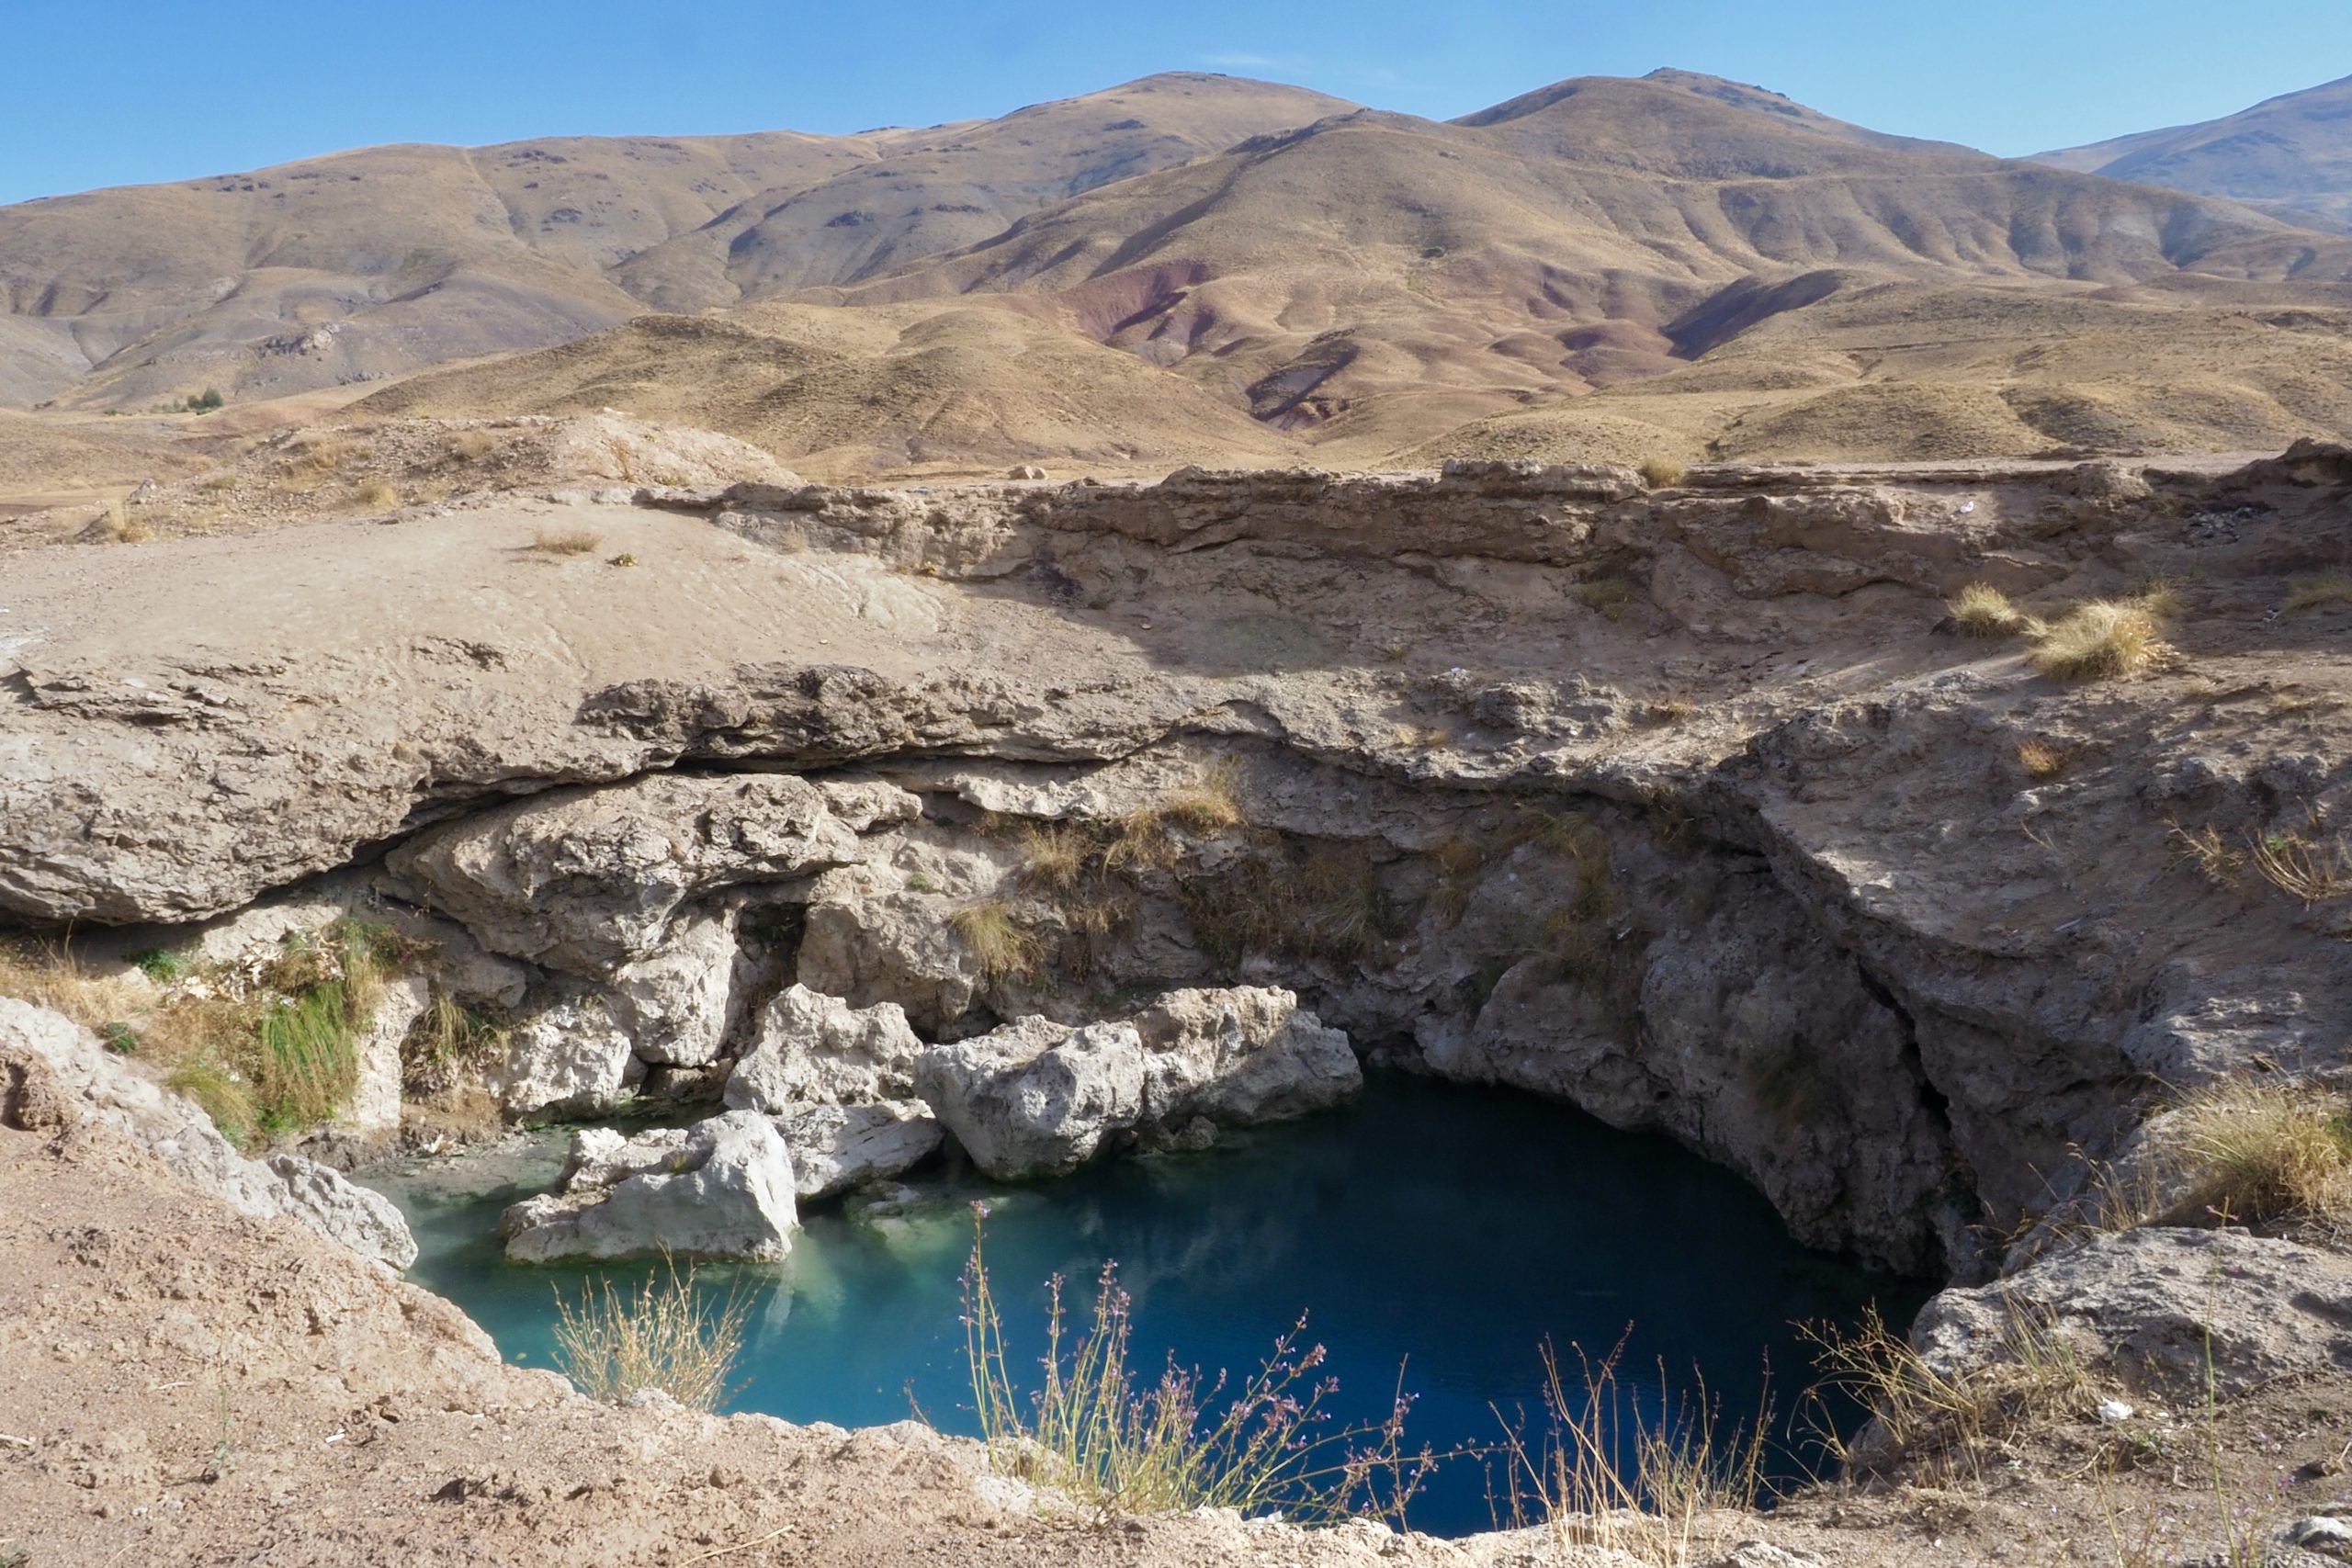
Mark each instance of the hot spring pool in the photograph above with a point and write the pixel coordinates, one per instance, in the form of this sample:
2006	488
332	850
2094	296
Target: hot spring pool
1448	1230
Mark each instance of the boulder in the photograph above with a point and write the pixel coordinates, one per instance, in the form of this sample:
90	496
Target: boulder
809	1049
896	947
724	1189
1036	1098
836	1148
76	1069
1241	1055
2158	1303
676	1002
367	1222
570	1058
586	880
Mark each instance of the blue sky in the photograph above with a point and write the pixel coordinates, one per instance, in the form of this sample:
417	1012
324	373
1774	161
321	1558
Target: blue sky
135	90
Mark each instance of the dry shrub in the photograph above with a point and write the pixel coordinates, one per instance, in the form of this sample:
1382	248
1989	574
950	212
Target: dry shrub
662	1335
2311	870
2100	640
2263	1150
1322	901
2315	593
1983	610
2041	758
564	541
1943	1425
1658	473
1261	1444
376	492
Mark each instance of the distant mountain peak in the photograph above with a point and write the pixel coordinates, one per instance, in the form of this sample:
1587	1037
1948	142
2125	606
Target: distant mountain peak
2289	155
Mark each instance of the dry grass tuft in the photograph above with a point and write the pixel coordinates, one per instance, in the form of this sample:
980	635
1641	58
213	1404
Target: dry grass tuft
49	975
2315	593
1983	610
448	1045
1210	804
321	454
1671	710
2042	760
565	541
1057	856
2100	641
1943	1426
612	1345
1004	948
1658	473
376	493
119	526
2313	869
1612	597
1617	1471
2209	851
2264	1150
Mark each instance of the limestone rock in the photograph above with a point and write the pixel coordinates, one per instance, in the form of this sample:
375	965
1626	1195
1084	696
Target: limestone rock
895	947
366	1222
1036	1098
375	1106
602	1156
868	804
724	1190
813	1049
570	1058
676	1002
836	1148
2156	1301
1241	1054
586	880
109	1090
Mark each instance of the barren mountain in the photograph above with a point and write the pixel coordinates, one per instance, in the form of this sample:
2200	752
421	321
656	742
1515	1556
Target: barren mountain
375	263
2290	155
1201	269
1735	274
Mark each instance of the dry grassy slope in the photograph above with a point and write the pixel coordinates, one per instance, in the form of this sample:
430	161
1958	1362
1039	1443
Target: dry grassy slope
960	389
416	255
2292	154
1906	370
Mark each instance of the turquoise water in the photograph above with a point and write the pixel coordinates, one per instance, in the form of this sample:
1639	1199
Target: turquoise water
1447	1230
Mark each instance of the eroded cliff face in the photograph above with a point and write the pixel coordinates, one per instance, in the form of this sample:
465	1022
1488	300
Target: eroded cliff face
1686	806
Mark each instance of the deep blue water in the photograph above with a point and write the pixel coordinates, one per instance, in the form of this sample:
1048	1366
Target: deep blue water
1446	1230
